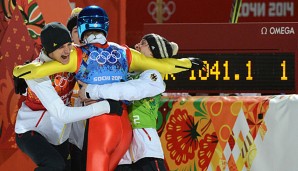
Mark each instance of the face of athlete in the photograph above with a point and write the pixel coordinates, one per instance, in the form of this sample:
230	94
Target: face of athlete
143	47
75	36
62	53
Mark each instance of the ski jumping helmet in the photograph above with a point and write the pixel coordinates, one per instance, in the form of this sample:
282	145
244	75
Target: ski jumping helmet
93	18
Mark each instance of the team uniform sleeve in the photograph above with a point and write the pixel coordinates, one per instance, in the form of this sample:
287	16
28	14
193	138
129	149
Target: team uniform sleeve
149	84
39	70
140	62
52	102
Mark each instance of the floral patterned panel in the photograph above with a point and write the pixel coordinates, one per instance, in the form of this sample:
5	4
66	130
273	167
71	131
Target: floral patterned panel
211	131
20	26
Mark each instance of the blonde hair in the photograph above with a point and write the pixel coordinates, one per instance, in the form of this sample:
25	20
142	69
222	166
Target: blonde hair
76	11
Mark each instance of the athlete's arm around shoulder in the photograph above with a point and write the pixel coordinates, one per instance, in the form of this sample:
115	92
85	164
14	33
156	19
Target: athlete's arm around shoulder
149	84
52	102
38	70
140	62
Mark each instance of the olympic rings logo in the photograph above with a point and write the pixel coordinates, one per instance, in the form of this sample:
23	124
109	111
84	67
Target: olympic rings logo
168	9
61	80
105	56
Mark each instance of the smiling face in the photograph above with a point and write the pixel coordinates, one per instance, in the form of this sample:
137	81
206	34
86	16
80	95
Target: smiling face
143	47
62	53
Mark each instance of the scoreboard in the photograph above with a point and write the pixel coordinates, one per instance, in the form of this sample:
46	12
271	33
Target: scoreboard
250	57
248	72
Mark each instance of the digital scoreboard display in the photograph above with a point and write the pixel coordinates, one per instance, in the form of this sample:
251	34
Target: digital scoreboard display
245	72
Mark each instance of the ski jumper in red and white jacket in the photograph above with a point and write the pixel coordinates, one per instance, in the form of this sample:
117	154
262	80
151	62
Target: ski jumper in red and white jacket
53	119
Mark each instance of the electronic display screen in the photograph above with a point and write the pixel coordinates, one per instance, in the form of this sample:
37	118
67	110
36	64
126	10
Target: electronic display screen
245	72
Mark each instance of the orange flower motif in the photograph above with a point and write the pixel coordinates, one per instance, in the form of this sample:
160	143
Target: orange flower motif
166	105
182	136
207	147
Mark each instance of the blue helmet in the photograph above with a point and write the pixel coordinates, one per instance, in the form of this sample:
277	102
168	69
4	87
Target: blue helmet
93	18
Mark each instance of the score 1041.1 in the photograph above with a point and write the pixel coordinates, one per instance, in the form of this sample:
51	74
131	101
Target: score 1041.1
245	67
213	70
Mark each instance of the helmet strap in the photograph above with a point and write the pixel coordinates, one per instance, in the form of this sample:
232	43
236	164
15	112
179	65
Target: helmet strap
98	38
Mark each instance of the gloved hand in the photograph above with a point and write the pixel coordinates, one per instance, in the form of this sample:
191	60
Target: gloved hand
115	107
197	63
20	85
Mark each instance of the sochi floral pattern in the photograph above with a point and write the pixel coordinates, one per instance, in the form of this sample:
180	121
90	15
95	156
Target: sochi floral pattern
16	46
212	132
7	116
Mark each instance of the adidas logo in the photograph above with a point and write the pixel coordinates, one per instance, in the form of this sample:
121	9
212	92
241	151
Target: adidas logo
55	44
152	47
